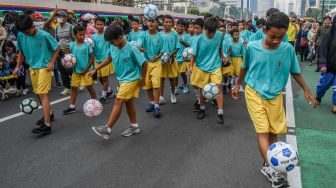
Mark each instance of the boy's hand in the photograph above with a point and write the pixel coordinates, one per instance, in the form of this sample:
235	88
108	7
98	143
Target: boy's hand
323	69
93	72
310	98
51	66
155	58
235	92
191	69
16	71
142	82
141	49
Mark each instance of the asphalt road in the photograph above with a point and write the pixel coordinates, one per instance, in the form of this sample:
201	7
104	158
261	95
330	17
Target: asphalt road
175	151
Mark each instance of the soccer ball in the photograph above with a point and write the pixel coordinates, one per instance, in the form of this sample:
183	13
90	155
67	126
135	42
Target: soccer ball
164	58
150	12
187	53
89	41
68	61
282	156
210	91
28	106
92	108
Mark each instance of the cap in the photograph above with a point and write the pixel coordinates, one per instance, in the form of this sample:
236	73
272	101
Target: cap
38	15
61	13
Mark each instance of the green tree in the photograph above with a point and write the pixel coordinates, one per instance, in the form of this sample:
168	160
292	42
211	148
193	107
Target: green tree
193	11
204	13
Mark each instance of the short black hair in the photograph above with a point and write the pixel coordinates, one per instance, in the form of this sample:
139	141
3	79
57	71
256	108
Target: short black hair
78	28
28	12
24	22
113	33
271	11
199	21
135	20
167	16
234	31
211	24
234	24
279	20
130	17
326	17
262	21
207	15
222	25
101	19
181	22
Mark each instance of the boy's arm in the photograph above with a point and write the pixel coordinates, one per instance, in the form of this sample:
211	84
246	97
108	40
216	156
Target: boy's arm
90	63
192	63
51	64
184	43
309	96
155	58
144	72
18	63
107	61
241	77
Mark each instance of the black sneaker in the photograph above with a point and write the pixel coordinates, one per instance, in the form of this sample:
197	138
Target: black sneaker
220	119
43	129
103	100
319	100
196	106
41	121
109	94
201	114
69	111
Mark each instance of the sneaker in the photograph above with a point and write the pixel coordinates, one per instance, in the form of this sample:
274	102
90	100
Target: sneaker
319	100
102	131
109	94
220	119
185	89
69	111
173	99
176	92
102	100
150	107
201	114
161	100
131	130
41	121
66	91
157	112
275	177
265	171
196	106
43	129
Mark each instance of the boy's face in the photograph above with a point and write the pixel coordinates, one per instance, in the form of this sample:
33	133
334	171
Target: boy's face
229	28
327	22
274	36
100	26
191	29
198	29
168	23
117	42
30	31
180	28
135	25
235	35
235	27
222	30
241	26
152	24
247	26
80	36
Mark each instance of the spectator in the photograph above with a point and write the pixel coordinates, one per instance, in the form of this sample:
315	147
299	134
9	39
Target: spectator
10	18
321	31
87	24
311	48
71	19
38	20
304	42
3	35
292	31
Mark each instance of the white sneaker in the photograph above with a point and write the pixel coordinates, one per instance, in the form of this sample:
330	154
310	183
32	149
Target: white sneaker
25	91
173	99
66	91
161	100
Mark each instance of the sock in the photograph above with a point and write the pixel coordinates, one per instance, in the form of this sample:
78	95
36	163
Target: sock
202	107
104	93
109	89
109	130
152	102
156	106
72	106
47	124
220	111
135	125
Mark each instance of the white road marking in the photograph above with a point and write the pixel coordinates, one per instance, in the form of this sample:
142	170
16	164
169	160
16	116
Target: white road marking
21	113
294	176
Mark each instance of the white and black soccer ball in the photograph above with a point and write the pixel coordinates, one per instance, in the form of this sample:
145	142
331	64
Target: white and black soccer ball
164	58
89	41
282	156
92	108
151	12
68	61
28	106
187	53
210	91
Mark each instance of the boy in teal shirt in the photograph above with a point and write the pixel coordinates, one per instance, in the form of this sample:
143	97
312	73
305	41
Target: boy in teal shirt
84	60
136	32
130	68
100	48
266	68
40	50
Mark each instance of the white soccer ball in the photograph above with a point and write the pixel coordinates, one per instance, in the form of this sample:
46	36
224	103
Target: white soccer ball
282	156
92	108
68	61
210	91
151	12
90	41
187	53
164	58
28	106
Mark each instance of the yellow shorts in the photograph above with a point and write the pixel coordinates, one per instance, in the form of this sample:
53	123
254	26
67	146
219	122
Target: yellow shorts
200	78
41	80
79	80
128	90
153	75
183	67
227	70
268	116
105	71
170	70
236	63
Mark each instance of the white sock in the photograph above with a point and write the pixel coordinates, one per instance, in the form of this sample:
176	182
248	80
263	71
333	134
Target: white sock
47	124
220	111
135	125
202	107
109	130
104	93
72	106
156	106
152	102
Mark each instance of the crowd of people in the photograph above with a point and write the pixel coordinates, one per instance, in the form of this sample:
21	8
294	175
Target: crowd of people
142	53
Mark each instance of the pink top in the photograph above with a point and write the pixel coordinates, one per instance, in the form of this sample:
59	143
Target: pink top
89	30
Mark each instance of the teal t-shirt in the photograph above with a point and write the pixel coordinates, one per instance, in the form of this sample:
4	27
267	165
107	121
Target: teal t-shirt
206	52
133	36
151	43
82	55
38	50
181	47
268	70
127	63
261	35
100	47
169	41
237	49
245	35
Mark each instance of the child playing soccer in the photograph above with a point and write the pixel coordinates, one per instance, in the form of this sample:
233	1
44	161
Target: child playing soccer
206	62
100	48
266	68
170	67
151	43
130	68
40	50
84	60
136	32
